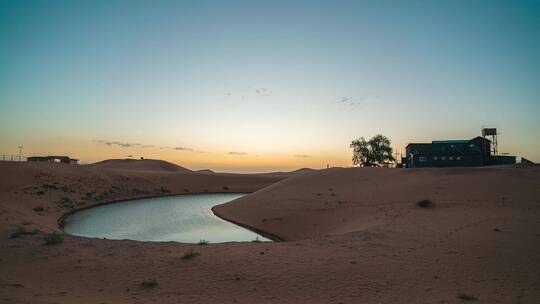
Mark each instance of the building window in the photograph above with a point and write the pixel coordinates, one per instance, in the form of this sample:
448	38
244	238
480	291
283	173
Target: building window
443	158
435	158
451	158
458	157
422	158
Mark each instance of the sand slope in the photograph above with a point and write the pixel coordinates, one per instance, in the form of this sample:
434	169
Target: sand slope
337	200
356	237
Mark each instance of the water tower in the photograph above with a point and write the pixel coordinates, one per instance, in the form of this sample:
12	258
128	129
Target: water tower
492	133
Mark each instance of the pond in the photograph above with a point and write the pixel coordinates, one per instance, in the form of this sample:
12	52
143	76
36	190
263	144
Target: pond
181	218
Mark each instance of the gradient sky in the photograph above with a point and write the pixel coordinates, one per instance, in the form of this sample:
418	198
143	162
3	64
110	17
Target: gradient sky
264	85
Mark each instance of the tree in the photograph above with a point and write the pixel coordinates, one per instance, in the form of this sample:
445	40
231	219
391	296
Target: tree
373	152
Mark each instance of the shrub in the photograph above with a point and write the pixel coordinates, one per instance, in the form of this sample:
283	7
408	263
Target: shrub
138	191
38	209
225	188
101	196
425	204
53	239
256	240
466	297
65	202
149	283
203	242
189	254
165	190
40	192
66	189
22	231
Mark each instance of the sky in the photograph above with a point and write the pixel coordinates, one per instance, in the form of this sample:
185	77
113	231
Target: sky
253	86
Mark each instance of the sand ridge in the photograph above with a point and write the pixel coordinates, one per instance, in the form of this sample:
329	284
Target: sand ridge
136	164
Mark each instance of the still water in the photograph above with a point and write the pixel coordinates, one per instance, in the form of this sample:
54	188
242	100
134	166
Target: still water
182	218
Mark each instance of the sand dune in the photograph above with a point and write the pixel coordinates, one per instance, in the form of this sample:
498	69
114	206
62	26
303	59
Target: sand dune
355	236
338	200
138	164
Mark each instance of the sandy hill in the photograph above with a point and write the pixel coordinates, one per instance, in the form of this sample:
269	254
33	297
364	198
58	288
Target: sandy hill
287	173
342	200
136	164
302	170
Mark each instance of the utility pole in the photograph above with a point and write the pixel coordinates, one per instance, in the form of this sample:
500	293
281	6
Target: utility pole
20	152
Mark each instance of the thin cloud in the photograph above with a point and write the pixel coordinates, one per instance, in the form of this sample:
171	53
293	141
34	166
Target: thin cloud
237	153
246	94
302	155
348	100
182	149
130	145
186	149
263	91
345	99
117	143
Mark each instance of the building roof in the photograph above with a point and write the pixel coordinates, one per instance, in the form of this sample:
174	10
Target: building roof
454	141
51	157
480	138
417	144
451	141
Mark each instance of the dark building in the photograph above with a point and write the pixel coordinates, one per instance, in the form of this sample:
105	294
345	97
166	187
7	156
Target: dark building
53	159
454	153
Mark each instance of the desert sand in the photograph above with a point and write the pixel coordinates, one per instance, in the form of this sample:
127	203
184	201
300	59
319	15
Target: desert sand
351	235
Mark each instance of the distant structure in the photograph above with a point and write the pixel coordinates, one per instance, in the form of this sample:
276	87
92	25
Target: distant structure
475	152
53	159
493	133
